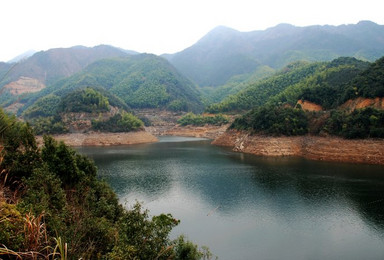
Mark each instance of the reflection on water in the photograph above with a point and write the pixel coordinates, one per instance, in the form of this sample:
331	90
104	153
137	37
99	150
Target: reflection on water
248	207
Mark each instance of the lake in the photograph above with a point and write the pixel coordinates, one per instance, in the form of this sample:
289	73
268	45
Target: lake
247	207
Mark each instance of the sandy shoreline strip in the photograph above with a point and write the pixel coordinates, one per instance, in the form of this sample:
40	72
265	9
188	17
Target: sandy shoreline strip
104	139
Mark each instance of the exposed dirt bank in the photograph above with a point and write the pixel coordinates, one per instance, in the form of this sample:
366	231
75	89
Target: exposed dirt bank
367	151
24	85
361	102
165	123
104	139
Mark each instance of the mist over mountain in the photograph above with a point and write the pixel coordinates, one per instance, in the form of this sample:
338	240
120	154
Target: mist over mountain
22	56
225	52
224	57
51	65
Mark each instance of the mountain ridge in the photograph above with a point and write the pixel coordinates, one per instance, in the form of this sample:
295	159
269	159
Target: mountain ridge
210	64
141	81
53	64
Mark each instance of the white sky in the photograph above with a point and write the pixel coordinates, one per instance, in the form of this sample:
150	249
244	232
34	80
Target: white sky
159	26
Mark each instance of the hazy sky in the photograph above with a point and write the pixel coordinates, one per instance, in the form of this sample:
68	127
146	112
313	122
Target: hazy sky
159	26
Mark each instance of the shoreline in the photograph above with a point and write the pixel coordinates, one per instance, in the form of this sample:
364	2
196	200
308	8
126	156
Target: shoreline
332	149
103	139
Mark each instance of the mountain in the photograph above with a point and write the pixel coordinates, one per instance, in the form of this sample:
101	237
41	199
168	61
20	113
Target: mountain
81	110
344	97
4	69
323	83
258	93
44	68
220	54
141	81
225	52
22	56
51	65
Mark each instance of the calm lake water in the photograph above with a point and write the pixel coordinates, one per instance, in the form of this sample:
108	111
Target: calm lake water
247	207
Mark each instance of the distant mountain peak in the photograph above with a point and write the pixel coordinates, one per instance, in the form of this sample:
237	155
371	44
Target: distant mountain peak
225	52
219	33
283	26
222	28
366	22
22	56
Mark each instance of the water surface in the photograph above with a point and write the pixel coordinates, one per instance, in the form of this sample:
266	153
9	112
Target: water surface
248	207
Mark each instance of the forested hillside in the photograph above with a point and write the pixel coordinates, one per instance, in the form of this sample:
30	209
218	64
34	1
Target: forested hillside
298	80
51	65
234	85
20	80
141	81
256	94
81	110
329	87
225	52
332	85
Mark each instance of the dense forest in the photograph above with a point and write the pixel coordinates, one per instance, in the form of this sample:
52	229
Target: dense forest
295	81
140	81
108	113
256	94
54	206
330	86
277	121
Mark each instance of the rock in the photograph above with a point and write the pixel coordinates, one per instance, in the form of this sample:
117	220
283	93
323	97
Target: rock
369	151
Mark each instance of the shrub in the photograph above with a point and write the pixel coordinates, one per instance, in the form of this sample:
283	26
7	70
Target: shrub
200	120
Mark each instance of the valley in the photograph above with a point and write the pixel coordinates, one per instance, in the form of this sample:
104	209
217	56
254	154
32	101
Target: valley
252	137
105	96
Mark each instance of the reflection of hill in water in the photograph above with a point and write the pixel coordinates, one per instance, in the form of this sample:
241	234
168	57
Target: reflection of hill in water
294	186
288	188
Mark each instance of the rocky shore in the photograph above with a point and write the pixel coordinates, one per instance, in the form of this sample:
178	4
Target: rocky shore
369	151
104	139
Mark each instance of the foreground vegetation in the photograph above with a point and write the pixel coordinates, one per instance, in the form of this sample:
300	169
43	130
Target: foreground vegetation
52	205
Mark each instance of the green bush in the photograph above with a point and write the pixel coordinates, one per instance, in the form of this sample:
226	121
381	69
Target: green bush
361	123
273	121
44	107
85	100
124	122
200	120
48	125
